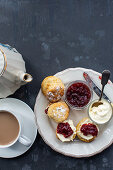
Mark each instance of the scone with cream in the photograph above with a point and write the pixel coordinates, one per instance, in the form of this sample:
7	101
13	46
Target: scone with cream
87	131
58	111
66	131
53	88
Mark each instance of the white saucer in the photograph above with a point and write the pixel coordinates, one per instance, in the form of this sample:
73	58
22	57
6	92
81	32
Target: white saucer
29	128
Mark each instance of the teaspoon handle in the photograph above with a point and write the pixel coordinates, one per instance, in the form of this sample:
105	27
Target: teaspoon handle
105	77
104	80
101	92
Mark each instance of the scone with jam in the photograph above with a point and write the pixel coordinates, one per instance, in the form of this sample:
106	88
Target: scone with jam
87	131
66	131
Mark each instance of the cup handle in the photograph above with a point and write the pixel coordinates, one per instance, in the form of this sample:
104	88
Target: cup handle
24	140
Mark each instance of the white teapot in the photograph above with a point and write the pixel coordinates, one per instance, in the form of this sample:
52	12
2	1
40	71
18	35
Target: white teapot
12	70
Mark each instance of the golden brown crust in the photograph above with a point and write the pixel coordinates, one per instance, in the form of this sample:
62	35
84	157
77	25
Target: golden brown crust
78	129
57	135
53	88
58	111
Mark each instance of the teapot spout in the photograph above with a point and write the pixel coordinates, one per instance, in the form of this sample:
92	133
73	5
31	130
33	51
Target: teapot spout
25	77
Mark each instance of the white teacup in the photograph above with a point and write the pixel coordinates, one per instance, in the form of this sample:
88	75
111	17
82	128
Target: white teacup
21	138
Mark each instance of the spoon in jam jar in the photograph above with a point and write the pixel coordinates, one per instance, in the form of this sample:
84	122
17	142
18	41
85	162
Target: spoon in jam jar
104	81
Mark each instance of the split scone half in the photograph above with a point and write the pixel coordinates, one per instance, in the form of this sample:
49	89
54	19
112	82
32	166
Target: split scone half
58	111
66	131
53	88
87	131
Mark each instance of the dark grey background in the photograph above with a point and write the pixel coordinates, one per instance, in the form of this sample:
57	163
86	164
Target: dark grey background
53	35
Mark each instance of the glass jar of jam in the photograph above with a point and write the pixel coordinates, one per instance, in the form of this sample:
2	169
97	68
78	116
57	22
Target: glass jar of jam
78	94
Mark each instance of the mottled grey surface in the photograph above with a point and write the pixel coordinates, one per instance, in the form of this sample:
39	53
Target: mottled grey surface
53	35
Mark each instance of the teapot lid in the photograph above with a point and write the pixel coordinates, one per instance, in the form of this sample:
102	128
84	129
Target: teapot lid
3	62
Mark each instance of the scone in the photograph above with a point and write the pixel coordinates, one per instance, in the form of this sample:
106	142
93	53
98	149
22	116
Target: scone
66	131
87	131
58	111
53	88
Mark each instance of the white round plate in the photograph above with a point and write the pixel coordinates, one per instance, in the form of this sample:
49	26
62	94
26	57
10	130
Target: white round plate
47	127
29	128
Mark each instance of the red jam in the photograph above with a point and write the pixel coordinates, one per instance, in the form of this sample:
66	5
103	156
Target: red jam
46	110
78	94
89	129
64	129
